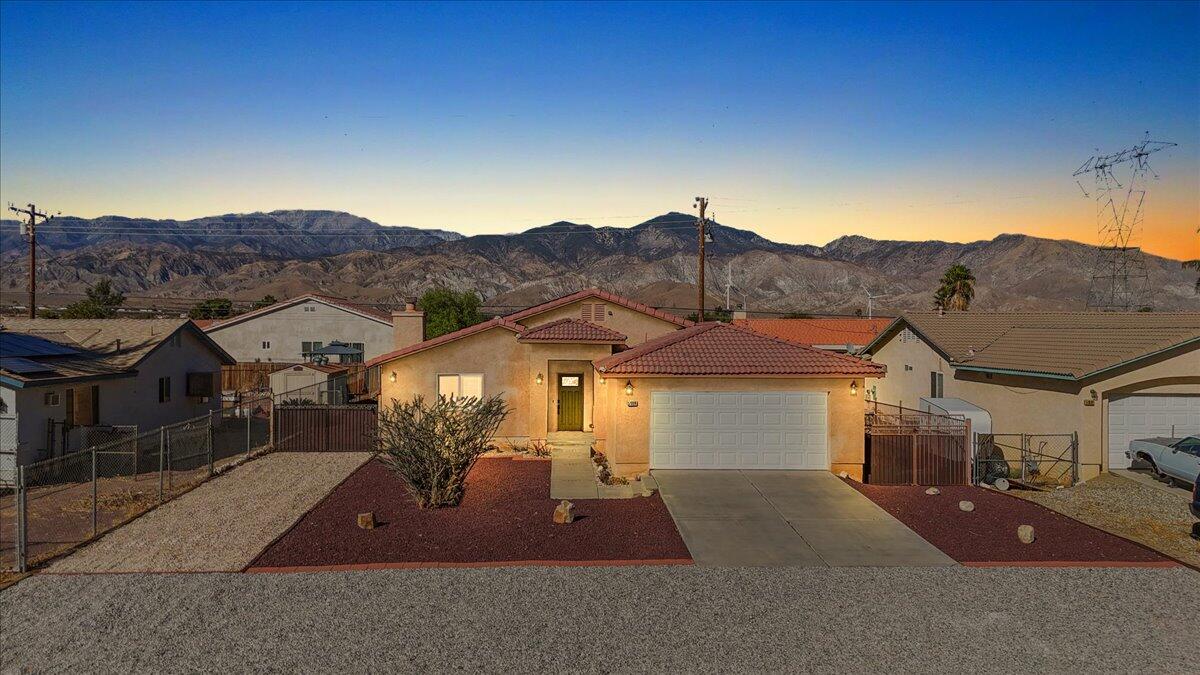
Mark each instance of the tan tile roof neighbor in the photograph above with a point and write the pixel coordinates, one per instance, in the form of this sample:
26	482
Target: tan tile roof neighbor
602	295
831	331
497	322
359	308
1070	345
721	349
572	330
105	346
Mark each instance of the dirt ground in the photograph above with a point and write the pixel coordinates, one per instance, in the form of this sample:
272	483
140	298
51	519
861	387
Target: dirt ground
1143	513
224	523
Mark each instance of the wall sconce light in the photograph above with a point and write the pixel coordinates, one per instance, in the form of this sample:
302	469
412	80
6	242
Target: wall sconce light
628	388
392	377
1092	393
538	379
602	380
854	387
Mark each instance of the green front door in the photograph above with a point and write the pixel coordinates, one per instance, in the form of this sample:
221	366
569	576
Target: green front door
570	402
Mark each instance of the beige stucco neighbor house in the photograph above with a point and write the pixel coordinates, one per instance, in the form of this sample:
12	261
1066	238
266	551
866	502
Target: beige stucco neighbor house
1110	377
650	389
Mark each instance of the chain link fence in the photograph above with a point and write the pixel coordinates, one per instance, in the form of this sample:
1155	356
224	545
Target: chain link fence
56	504
1043	460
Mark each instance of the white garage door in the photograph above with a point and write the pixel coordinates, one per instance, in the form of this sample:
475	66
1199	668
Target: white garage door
1133	417
738	430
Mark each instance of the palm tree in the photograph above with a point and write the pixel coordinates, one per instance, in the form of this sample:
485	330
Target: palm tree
957	289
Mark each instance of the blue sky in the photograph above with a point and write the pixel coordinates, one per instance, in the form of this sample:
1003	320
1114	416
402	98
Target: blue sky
803	121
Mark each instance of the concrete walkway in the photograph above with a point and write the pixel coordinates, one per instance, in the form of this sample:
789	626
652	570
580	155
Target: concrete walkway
786	518
573	474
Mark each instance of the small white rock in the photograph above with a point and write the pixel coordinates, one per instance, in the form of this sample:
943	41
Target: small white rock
933	491
965	505
1001	484
1025	534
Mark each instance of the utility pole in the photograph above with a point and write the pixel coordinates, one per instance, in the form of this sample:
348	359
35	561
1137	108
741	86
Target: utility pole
728	283
702	204
33	215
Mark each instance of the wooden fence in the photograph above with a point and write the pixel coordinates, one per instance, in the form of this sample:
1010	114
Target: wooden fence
325	428
910	447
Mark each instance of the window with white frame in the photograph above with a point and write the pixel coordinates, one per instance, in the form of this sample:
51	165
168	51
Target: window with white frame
461	385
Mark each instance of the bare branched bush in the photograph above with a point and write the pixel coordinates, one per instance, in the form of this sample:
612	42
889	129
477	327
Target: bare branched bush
433	446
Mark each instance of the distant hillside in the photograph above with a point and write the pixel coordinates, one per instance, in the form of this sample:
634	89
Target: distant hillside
286	253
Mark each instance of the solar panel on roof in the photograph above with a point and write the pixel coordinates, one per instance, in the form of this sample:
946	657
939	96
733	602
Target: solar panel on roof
20	344
16	364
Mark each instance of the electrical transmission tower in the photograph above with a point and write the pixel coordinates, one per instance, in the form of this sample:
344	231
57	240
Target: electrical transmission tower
1119	271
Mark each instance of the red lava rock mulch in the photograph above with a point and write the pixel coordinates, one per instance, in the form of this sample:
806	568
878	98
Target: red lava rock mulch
505	516
989	533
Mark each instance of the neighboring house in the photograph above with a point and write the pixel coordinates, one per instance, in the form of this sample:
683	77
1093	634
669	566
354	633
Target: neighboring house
838	334
308	380
651	389
59	378
1110	377
296	330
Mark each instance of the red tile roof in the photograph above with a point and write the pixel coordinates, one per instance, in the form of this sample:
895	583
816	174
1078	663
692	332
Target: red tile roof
572	330
721	349
602	295
497	322
820	331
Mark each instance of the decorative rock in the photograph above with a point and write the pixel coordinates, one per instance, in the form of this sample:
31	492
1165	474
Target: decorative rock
965	505
366	521
843	474
933	491
1001	484
1025	534
564	513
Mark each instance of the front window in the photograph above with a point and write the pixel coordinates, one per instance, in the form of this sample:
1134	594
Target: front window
461	385
164	390
935	385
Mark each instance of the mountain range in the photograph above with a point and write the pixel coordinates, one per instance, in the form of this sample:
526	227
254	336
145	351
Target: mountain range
286	253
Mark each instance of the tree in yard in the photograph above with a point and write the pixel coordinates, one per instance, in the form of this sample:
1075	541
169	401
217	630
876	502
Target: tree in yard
957	289
447	310
267	301
213	308
101	303
714	314
432	447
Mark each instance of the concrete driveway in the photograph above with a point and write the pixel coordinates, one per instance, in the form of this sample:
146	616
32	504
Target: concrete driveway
786	518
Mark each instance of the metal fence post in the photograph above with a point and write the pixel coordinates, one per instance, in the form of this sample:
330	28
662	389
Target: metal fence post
162	433
1074	458
22	525
249	415
209	440
94	505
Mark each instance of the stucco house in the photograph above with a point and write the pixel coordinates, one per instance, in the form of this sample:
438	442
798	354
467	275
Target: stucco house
1109	377
835	333
650	389
292	331
61	377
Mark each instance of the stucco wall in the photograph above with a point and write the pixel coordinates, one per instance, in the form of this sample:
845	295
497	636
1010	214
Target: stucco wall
287	328
636	326
550	360
495	353
625	433
1037	405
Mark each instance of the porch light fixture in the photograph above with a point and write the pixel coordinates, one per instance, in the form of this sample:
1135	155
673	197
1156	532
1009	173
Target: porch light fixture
602	380
538	379
628	388
392	377
854	387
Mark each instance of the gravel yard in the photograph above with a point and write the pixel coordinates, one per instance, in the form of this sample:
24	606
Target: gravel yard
505	516
989	533
1146	514
224	523
628	619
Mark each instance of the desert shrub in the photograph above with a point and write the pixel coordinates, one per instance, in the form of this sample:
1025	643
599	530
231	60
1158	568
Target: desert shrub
518	448
538	448
432	446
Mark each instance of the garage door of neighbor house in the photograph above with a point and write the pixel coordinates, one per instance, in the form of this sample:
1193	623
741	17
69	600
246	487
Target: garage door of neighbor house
1133	417
739	430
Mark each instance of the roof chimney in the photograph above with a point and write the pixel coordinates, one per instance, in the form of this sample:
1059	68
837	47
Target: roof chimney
408	326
